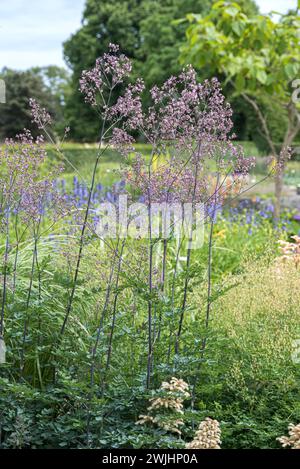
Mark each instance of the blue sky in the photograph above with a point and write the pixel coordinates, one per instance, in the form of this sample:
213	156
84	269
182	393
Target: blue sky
32	31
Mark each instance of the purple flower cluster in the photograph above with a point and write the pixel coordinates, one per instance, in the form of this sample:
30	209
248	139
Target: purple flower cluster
188	122
129	107
77	196
252	213
164	184
39	114
122	141
186	114
109	71
24	190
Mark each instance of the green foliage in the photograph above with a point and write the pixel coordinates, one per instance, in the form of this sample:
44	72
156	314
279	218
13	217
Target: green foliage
258	392
145	32
15	114
254	52
57	83
148	31
246	379
47	85
253	55
247	126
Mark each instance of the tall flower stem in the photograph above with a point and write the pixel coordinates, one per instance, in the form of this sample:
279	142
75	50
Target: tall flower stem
26	321
105	306
4	275
163	282
209	285
95	347
173	296
150	349
16	256
188	262
150	280
83	229
81	243
114	313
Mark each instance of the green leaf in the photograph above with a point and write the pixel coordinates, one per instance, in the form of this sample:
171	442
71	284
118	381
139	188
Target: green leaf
240	83
237	27
290	71
231	11
261	76
218	5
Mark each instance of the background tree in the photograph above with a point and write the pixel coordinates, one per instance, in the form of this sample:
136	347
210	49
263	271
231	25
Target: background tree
47	85
146	32
258	58
57	83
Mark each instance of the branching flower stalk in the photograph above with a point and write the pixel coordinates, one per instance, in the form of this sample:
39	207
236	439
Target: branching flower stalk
4	284
184	117
188	261
109	72
114	311
212	218
26	320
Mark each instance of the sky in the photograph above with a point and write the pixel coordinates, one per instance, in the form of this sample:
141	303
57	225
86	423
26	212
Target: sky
32	31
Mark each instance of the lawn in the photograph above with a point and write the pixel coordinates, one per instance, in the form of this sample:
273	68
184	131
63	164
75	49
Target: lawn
81	157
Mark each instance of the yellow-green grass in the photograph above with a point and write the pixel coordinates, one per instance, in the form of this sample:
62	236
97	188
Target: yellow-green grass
261	319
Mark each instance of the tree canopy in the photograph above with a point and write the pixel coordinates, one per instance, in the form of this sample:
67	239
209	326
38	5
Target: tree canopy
48	85
146	32
257	56
255	52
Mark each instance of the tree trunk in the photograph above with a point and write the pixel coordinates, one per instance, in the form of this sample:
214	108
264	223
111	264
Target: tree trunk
291	133
292	130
